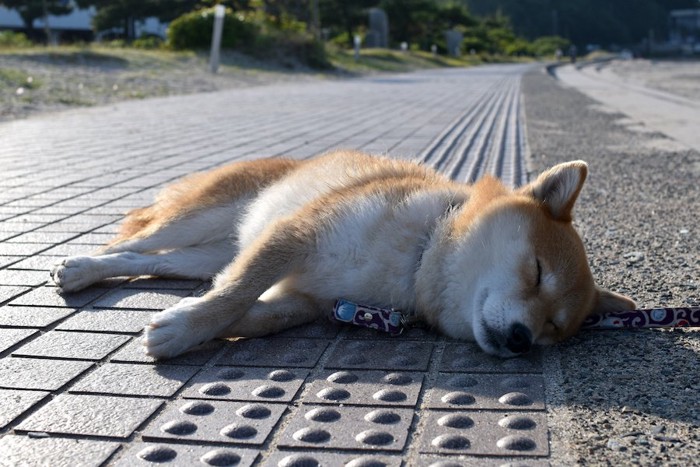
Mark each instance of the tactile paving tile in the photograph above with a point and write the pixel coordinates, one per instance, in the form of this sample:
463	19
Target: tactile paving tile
485	433
216	421
72	345
276	352
14	402
32	316
468	357
139	299
38	373
321	328
159	283
136	380
7	292
28	278
83	414
358	387
417	332
317	459
134	352
50	296
427	460
477	391
26	451
184	455
381	355
364	428
246	384
10	337
127	321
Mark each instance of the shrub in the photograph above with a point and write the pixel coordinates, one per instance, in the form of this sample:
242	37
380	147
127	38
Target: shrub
149	42
193	30
253	33
548	45
12	39
518	47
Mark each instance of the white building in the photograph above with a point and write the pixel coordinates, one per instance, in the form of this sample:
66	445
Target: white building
77	24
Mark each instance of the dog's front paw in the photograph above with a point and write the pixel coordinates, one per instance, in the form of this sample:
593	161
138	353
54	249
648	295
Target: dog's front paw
172	331
75	273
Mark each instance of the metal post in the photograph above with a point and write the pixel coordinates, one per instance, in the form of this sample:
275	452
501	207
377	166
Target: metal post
357	40
315	20
219	12
45	17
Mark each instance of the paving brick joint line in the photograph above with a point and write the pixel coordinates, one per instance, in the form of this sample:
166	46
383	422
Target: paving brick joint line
75	386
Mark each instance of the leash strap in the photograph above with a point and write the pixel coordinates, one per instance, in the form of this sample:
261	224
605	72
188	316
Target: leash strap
648	318
381	319
394	322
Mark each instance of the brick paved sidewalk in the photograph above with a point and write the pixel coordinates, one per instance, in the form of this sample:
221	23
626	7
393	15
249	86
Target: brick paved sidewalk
75	387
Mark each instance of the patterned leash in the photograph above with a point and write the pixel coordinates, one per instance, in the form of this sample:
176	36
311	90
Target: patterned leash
394	322
648	318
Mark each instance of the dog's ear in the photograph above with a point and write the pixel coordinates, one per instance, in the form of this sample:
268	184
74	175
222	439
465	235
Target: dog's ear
557	188
608	302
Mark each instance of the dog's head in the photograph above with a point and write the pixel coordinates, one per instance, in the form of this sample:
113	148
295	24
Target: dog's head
529	277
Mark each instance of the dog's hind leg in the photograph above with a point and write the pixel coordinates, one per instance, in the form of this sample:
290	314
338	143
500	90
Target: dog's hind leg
280	251
213	224
199	262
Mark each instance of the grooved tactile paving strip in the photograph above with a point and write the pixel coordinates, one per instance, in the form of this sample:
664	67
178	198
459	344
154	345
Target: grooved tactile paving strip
75	385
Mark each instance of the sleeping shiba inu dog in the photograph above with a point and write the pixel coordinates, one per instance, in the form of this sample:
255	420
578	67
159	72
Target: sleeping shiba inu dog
283	239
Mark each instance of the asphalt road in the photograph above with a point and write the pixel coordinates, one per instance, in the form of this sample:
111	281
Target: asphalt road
624	397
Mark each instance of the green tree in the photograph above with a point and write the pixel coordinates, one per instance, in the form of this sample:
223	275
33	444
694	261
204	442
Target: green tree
344	17
424	22
123	14
30	10
604	22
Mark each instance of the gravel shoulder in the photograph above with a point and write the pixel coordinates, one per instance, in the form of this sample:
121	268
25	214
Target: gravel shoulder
623	397
33	82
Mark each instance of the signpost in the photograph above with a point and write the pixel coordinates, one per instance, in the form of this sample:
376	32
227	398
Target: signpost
219	13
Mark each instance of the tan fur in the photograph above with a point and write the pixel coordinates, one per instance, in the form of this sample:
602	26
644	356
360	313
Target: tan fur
201	191
480	262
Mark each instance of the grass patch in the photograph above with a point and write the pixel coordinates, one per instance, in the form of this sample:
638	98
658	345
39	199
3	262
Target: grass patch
385	60
13	78
101	56
110	57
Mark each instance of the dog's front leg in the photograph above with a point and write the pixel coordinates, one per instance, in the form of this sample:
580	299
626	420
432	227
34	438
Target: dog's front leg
280	308
280	250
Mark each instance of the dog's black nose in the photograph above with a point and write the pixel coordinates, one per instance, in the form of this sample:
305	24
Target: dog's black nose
519	339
